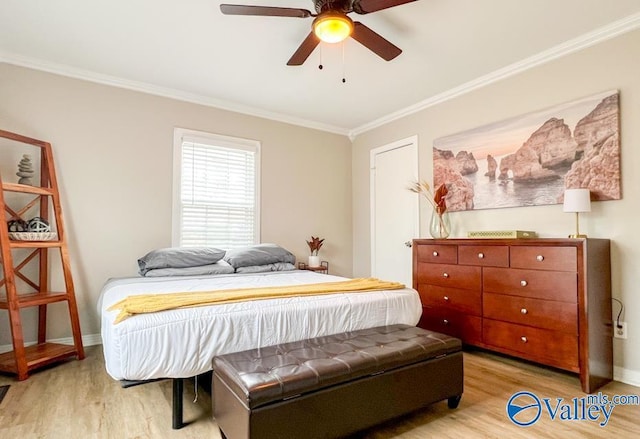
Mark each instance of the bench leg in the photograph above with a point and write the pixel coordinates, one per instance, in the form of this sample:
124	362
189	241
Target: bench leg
454	401
178	390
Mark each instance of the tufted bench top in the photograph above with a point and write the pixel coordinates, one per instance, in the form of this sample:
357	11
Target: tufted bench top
263	375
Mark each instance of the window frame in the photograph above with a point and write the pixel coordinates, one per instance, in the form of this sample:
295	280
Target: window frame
181	135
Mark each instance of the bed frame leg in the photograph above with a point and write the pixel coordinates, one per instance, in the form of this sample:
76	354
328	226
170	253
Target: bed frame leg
178	388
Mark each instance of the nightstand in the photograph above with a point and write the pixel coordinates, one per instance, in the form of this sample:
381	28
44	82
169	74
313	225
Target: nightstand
323	268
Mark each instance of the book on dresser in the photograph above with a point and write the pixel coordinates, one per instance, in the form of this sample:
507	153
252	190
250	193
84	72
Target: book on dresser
543	300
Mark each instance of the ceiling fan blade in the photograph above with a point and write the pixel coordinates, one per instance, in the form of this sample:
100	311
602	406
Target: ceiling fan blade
368	6
269	11
305	49
374	42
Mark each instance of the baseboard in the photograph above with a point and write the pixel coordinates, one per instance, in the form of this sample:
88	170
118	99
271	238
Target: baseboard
626	376
87	340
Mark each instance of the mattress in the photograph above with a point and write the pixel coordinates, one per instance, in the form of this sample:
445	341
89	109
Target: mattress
181	343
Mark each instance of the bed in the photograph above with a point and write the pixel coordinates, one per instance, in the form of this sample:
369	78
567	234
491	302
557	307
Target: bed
181	343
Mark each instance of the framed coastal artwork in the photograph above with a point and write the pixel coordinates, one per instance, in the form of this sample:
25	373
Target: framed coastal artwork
529	160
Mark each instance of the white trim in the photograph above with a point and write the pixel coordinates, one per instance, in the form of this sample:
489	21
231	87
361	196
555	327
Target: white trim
599	35
176	218
182	134
113	81
407	142
627	376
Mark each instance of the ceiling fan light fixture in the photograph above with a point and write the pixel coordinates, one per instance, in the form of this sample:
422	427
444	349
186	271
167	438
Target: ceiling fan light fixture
332	27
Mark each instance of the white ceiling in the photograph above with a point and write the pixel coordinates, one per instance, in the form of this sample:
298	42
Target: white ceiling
189	50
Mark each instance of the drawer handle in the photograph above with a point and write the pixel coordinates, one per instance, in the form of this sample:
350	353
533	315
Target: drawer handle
523	311
445	321
435	254
446	298
445	275
480	255
523	283
539	258
524	339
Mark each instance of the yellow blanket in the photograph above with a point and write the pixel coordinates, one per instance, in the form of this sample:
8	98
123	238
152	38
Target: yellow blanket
147	303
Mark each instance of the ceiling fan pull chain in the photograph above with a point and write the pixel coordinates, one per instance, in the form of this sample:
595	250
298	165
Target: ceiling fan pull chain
320	65
344	79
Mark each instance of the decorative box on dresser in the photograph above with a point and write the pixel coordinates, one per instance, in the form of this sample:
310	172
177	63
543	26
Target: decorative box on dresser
543	300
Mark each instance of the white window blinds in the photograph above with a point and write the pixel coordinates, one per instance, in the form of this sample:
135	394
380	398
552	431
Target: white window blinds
218	192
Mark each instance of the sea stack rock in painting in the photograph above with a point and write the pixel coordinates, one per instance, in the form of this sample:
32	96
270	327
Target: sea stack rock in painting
466	163
446	170
492	166
551	146
525	166
554	144
598	139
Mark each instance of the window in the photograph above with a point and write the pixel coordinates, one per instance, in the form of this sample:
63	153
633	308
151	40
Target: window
216	192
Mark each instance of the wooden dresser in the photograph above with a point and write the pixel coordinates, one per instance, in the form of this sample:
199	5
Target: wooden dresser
543	300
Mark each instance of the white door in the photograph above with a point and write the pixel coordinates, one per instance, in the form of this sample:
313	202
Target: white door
394	209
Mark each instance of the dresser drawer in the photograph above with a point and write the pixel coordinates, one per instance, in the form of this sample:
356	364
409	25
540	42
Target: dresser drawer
457	299
560	285
454	276
438	254
544	258
484	255
465	327
546	314
549	347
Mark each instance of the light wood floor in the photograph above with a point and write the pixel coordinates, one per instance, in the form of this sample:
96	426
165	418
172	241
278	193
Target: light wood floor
77	399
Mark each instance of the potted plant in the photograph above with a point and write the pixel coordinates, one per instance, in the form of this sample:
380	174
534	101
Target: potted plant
314	246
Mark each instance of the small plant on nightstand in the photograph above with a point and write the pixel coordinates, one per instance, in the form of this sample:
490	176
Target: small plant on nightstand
314	245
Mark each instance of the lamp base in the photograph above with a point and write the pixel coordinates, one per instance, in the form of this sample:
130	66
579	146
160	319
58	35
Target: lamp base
577	236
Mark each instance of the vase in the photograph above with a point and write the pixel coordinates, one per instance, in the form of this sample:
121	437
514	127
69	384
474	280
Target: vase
314	261
440	226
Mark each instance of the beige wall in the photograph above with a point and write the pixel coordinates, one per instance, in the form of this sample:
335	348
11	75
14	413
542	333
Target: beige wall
607	66
113	153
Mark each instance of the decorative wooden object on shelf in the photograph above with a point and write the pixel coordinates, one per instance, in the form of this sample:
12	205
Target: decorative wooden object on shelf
23	359
323	268
544	300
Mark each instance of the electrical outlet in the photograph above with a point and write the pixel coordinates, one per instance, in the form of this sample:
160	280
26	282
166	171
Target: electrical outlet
620	332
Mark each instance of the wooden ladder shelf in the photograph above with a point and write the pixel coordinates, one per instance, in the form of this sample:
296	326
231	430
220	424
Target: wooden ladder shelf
23	359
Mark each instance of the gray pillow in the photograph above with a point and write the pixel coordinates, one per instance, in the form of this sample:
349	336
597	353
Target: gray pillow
220	267
277	266
179	257
260	254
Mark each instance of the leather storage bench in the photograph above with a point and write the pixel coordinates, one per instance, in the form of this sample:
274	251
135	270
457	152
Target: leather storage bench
336	385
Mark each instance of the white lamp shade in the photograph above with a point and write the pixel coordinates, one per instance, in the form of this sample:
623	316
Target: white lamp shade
577	200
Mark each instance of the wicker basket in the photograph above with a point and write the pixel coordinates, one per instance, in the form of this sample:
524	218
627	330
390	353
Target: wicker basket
33	236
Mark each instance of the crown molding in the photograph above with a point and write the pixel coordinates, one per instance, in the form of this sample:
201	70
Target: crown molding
592	38
87	75
597	36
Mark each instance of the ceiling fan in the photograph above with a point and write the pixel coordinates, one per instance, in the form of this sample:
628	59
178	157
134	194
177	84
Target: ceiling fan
331	24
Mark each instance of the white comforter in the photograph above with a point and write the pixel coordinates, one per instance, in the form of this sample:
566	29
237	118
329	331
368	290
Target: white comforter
181	343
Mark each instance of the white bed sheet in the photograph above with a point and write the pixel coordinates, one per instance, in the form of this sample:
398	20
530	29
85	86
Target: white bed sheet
181	343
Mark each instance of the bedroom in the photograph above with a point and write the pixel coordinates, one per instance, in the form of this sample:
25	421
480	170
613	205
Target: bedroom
117	202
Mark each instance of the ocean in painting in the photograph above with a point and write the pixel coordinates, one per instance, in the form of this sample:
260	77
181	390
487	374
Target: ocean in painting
491	194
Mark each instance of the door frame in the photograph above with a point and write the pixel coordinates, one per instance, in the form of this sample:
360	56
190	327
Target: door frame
409	141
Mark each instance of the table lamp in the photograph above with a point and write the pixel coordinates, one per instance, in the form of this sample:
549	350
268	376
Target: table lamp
577	200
